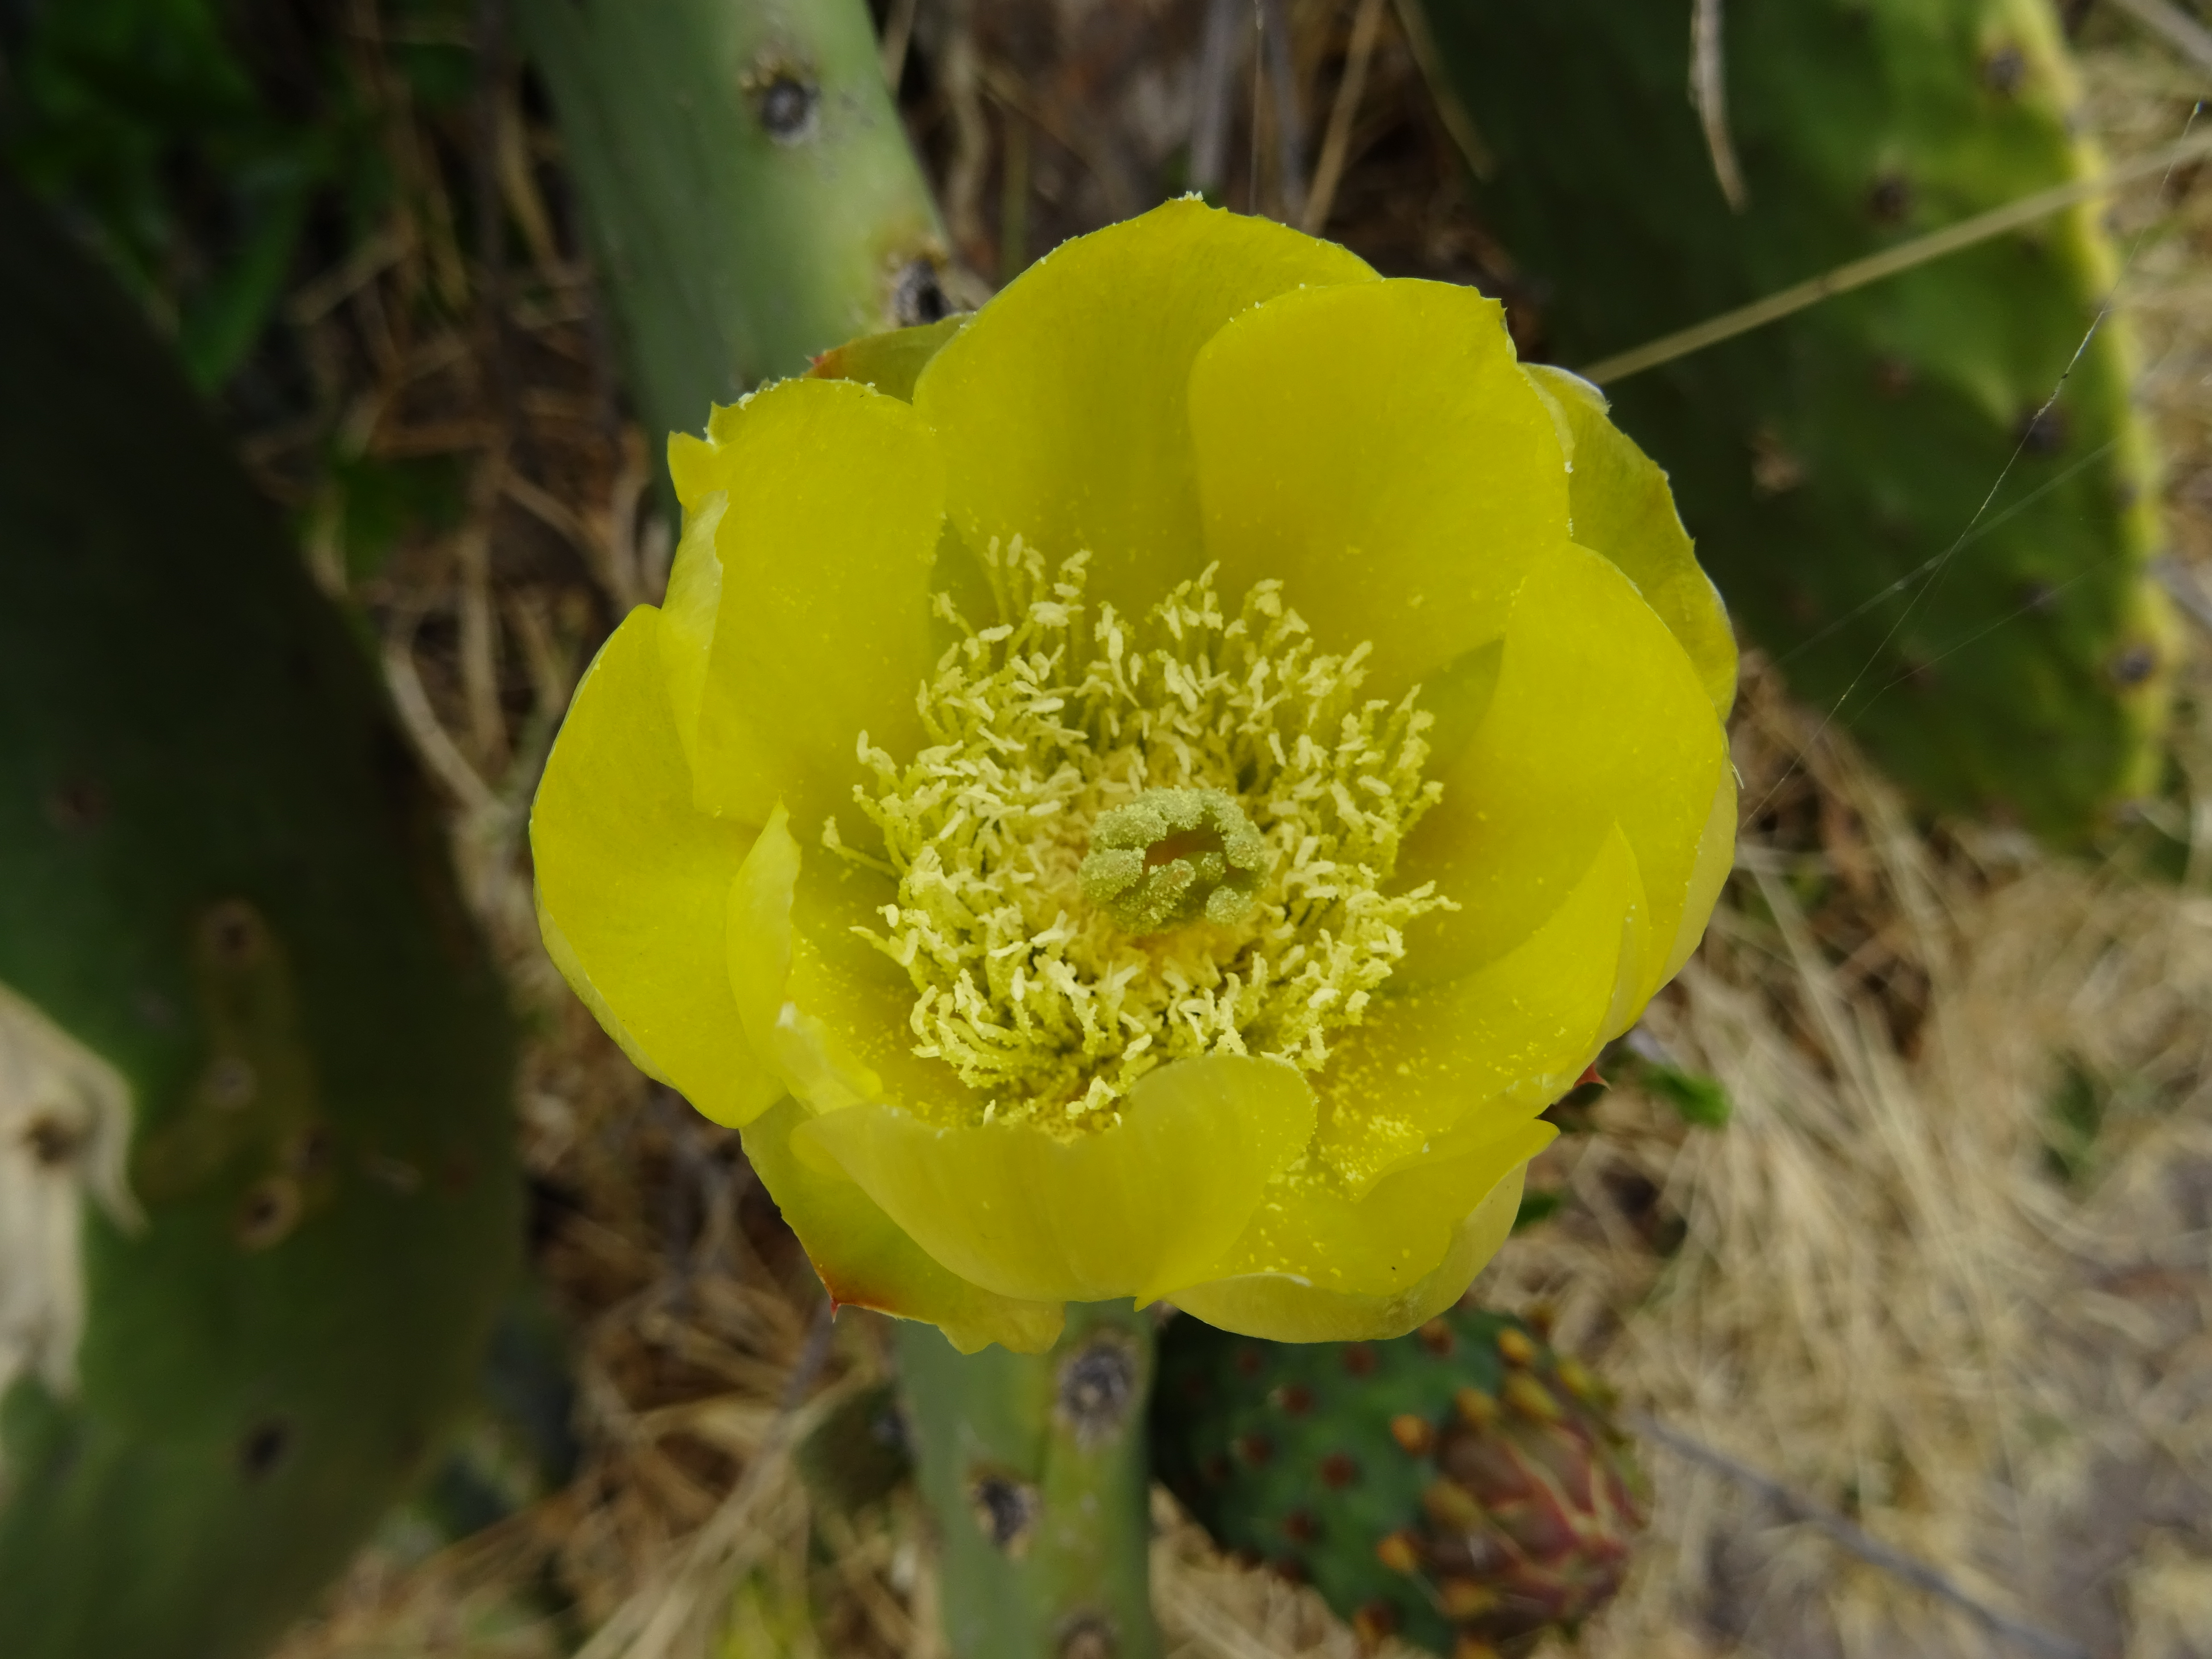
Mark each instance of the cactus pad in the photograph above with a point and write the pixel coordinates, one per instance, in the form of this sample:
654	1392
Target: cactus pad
1999	651
257	1194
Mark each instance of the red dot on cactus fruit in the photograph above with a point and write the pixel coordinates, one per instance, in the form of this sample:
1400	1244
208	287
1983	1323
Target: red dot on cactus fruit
1249	1359
1295	1398
1338	1471
1436	1338
1215	1470
1289	1567
1255	1448
1359	1359
1300	1528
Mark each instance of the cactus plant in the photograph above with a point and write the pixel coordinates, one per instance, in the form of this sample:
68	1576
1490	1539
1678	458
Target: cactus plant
747	183
1464	1487
257	1195
1033	1469
1996	650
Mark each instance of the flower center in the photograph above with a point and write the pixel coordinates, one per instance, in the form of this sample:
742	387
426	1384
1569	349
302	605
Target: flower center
1172	856
1127	842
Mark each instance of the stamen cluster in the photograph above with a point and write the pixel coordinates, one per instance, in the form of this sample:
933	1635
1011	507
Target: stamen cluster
1055	718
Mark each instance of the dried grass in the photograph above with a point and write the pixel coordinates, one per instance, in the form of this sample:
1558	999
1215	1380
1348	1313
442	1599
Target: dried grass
1871	1282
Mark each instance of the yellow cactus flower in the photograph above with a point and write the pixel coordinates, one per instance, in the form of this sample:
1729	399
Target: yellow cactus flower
1153	796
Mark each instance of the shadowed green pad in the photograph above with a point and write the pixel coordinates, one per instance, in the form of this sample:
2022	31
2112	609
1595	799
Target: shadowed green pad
1826	464
219	876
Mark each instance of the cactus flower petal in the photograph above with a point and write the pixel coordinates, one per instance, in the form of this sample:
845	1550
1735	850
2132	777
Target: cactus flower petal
1075	437
867	1261
1598	717
1622	509
1395	1236
1376	448
1497	1045
1285	1307
772	724
1132	1210
827	1012
1161	812
640	937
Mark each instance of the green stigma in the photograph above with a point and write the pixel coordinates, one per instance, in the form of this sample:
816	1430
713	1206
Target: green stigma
1172	856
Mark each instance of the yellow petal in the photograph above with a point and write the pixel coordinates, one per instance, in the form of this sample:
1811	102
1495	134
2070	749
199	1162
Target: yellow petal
867	1261
572	970
892	361
1598	717
688	611
1288	1308
1622	509
1377	447
1127	1211
1383	1251
820	1004
1496	1046
1062	403
835	495
1716	858
636	881
693	469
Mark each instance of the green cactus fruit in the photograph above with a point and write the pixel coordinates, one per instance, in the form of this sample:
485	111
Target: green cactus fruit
1829	464
258	1190
1464	1487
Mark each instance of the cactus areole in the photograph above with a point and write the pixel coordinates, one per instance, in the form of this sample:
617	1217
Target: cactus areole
257	1190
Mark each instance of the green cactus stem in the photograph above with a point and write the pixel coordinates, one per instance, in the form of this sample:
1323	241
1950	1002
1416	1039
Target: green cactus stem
258	1188
1033	1467
748	187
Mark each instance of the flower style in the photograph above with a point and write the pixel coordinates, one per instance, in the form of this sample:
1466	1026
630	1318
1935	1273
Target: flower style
1150	790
